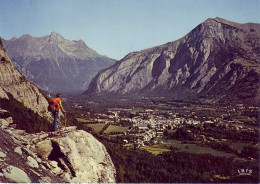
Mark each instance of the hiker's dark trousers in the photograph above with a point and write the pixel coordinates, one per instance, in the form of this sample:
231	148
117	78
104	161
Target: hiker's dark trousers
55	121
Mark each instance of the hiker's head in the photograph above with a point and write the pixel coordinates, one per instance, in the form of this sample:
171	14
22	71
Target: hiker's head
58	95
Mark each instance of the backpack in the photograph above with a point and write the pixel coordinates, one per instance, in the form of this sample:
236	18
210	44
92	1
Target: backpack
52	106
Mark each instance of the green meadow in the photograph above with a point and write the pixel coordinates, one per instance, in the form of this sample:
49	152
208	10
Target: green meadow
113	128
84	120
96	127
189	148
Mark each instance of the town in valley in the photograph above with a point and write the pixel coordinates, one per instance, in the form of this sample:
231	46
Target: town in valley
158	125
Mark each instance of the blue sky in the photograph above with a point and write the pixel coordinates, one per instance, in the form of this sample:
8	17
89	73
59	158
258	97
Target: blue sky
117	27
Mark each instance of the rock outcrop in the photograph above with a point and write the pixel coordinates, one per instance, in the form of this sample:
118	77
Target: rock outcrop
67	156
216	59
11	81
54	63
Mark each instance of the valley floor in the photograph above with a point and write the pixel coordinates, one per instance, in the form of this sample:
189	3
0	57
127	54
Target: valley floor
162	127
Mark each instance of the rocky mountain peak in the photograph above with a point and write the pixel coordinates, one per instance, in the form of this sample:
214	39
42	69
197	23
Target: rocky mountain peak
25	37
55	35
14	38
55	38
214	28
81	43
213	59
221	20
55	63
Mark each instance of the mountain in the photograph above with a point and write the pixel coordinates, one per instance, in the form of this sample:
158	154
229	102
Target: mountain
217	60
54	63
14	84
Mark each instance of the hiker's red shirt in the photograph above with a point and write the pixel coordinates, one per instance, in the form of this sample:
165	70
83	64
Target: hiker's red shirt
58	102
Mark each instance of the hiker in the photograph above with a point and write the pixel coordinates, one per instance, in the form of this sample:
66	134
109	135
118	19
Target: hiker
57	105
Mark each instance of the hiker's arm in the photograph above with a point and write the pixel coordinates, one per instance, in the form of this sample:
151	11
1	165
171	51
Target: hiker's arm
62	108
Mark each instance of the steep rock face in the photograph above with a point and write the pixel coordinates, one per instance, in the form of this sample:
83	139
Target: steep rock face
71	156
54	63
11	81
212	59
88	160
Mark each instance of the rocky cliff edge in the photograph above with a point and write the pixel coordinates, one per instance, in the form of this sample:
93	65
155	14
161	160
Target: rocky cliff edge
67	156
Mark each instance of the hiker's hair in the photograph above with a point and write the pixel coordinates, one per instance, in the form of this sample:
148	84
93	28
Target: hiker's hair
58	95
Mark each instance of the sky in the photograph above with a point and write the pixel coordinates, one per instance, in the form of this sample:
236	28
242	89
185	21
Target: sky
117	27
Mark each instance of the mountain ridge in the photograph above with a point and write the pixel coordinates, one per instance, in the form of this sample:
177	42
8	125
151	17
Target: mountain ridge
193	64
69	65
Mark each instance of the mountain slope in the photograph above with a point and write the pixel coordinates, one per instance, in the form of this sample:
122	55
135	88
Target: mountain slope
12	82
212	61
54	63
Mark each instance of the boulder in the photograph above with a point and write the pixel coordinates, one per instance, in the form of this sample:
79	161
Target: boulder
54	164
56	170
66	177
32	162
2	155
43	167
14	174
4	123
86	157
38	160
18	150
9	120
44	148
